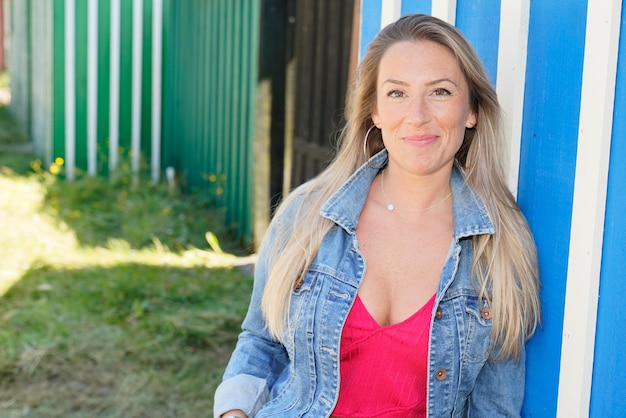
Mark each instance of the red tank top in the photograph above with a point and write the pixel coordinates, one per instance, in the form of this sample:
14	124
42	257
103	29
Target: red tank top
383	369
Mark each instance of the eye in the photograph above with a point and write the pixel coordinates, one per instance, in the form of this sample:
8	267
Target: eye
440	91
395	93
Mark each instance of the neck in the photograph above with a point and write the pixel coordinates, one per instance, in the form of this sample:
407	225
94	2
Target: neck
419	195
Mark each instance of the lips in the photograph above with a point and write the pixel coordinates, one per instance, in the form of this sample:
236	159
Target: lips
421	140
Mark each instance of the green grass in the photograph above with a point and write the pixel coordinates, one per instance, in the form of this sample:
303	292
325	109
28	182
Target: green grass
4	79
112	303
10	132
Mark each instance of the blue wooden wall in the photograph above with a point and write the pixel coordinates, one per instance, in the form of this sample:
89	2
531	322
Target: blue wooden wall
609	379
553	95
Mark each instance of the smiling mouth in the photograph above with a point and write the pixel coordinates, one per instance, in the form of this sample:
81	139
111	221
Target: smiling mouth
421	139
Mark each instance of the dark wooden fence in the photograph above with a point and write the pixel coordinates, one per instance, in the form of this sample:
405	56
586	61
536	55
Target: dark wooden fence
306	57
322	48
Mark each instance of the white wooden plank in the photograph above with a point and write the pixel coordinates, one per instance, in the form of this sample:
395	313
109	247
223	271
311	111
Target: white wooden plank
92	87
41	132
157	76
585	252
511	80
136	85
70	89
390	12
444	10
114	85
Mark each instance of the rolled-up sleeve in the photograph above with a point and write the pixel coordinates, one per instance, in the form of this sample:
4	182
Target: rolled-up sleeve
246	392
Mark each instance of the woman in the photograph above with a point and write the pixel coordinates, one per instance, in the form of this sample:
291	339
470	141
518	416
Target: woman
402	281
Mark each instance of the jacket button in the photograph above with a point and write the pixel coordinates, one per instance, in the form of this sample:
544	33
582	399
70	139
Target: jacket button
439	313
441	374
298	284
486	313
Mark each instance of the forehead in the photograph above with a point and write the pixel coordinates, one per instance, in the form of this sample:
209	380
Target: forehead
420	58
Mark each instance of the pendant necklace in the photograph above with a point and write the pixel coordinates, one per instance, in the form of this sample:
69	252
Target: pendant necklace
392	207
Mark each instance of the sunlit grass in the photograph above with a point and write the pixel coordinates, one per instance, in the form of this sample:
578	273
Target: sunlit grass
4	79
113	302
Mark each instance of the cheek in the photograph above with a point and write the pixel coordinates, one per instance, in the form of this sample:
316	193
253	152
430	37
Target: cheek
457	121
391	115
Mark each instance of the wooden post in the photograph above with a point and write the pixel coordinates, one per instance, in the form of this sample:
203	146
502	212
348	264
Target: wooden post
269	141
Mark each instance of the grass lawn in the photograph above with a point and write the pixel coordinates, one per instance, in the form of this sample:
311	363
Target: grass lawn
112	303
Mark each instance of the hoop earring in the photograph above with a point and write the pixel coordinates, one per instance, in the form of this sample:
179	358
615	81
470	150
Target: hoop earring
367	134
367	156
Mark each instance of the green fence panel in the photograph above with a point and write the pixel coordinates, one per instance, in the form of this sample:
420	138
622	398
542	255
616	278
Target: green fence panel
80	51
210	67
209	73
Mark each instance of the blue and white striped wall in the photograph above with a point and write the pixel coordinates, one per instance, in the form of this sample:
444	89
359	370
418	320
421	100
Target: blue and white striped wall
559	70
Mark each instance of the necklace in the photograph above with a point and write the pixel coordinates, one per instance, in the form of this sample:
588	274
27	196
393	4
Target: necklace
391	206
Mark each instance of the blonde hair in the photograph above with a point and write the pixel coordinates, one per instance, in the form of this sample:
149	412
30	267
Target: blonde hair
505	263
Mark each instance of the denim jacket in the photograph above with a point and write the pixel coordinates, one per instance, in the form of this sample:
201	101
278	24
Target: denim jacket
265	378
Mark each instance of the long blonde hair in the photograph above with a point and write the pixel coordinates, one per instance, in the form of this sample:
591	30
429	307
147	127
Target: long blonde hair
505	263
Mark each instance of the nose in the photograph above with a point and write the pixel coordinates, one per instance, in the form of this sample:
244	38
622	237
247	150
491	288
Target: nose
419	112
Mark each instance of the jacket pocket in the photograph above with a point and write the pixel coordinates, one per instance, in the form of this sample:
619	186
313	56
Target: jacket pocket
300	301
478	330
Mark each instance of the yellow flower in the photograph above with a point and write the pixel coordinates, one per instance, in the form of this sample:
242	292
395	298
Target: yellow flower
212	178
54	168
59	161
219	191
166	211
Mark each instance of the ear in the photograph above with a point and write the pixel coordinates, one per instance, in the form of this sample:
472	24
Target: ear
471	120
375	119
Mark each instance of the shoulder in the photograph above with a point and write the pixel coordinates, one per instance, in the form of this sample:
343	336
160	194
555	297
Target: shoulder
289	213
295	204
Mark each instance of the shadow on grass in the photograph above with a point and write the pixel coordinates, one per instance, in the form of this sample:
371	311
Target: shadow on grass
11	133
119	211
142	214
129	340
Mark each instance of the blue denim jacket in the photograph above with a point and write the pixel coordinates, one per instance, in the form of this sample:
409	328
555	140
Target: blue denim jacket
301	378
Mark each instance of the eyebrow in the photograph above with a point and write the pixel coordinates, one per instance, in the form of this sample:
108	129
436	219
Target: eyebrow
392	81
440	81
430	83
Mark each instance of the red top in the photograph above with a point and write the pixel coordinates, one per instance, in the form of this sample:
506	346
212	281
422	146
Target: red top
383	369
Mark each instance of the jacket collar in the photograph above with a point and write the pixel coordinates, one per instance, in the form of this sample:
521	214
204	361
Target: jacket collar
344	207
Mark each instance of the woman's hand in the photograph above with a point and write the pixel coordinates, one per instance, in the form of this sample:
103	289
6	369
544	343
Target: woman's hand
234	413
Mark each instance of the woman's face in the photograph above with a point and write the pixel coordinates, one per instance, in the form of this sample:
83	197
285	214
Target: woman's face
422	106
